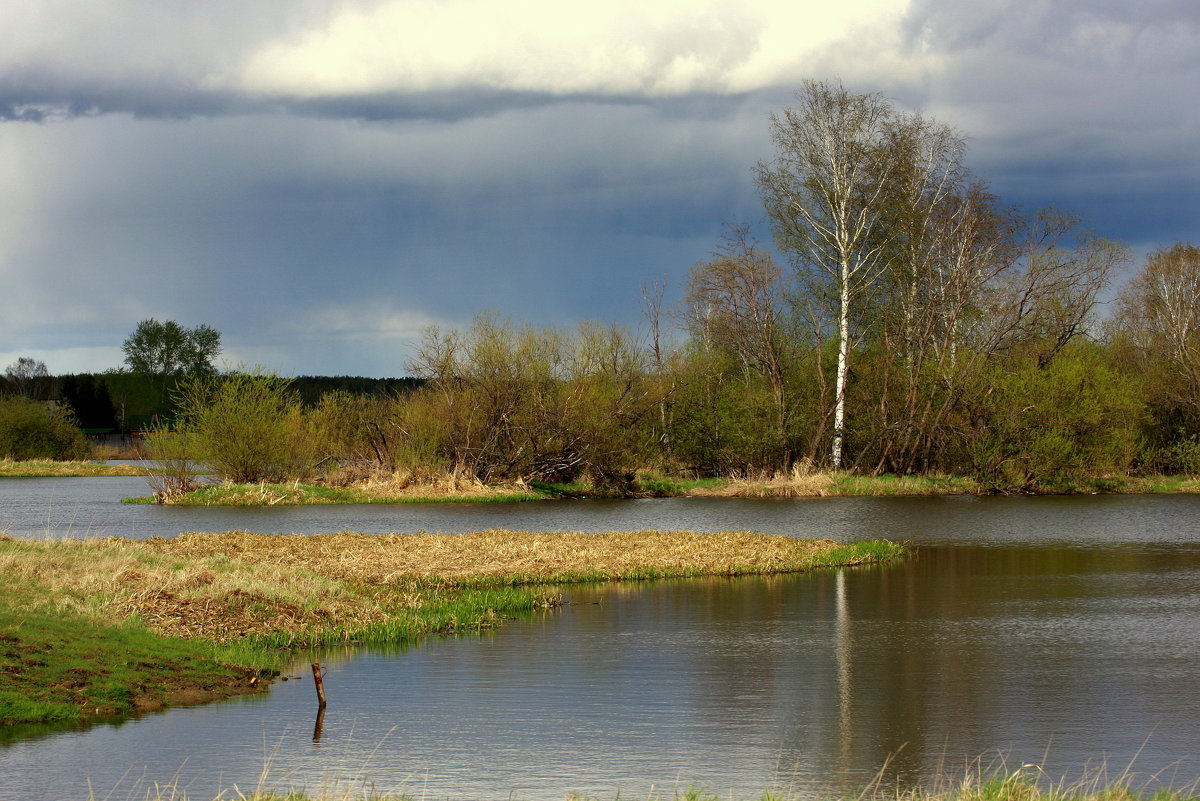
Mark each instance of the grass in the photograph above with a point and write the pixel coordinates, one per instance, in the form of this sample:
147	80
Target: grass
1028	783
41	468
296	493
94	628
801	482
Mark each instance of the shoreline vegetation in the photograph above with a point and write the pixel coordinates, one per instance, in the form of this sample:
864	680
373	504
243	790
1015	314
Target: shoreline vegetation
797	485
104	628
457	488
47	468
1026	783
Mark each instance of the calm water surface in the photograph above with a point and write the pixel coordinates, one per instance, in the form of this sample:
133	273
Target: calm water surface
1049	630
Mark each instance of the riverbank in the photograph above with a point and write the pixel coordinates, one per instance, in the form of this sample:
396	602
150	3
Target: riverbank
46	468
806	485
102	628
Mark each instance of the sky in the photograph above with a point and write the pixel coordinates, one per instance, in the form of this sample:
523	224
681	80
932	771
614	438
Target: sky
320	180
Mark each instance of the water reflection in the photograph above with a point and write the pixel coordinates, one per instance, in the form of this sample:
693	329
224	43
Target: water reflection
1055	630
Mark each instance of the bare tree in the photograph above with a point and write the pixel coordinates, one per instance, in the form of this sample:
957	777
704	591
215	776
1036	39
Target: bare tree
28	378
735	303
825	194
1160	313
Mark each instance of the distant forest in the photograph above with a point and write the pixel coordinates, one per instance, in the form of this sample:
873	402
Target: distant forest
128	401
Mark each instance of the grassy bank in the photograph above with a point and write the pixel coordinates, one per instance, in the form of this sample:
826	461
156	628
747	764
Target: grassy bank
796	485
296	494
94	628
46	468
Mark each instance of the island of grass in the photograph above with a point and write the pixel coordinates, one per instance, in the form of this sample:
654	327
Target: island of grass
99	628
455	489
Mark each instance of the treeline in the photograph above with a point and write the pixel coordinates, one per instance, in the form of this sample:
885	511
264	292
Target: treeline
127	401
917	326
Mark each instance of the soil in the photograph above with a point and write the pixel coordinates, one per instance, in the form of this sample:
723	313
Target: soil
176	692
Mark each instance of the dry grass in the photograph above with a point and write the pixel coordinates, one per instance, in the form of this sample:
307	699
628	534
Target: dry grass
216	598
227	586
408	484
48	468
801	482
500	553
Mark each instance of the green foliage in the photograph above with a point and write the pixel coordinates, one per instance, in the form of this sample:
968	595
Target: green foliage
1040	426
32	430
169	349
162	354
60	667
248	426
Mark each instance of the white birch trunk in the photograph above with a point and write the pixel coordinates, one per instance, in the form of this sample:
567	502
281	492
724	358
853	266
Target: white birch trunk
843	368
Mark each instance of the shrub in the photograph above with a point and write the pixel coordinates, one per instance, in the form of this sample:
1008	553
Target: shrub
32	430
247	427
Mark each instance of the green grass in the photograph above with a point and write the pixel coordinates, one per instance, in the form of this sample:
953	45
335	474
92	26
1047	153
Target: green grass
63	668
848	484
440	611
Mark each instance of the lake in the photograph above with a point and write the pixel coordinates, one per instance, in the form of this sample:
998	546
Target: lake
1054	631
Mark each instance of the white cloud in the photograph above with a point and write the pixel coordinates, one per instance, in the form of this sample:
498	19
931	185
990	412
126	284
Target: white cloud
548	46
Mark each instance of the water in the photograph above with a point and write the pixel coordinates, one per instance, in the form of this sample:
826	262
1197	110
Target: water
1049	630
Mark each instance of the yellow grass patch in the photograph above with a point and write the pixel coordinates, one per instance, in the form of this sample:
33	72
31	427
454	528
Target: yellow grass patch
48	468
217	598
799	483
501	553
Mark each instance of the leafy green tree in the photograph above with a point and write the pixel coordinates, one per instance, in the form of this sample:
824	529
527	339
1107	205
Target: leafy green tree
166	352
167	348
1036	426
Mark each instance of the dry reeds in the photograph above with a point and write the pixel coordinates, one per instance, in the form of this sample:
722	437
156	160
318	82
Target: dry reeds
500	553
801	482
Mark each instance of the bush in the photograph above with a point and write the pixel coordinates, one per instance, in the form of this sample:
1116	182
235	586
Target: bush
1043	426
247	427
32	430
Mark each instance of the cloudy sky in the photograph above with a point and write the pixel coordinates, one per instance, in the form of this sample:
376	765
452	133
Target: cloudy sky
320	179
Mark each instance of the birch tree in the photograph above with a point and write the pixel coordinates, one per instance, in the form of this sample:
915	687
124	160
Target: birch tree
825	195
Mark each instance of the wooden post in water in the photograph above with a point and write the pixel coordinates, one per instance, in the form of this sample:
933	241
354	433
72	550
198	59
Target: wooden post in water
320	724
318	675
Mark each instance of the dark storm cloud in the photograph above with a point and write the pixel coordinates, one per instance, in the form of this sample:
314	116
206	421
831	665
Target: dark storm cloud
169	160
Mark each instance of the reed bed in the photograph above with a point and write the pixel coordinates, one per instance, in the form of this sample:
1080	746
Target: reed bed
516	556
796	484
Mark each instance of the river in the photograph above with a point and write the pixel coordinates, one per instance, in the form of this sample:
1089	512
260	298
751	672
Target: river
1049	631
